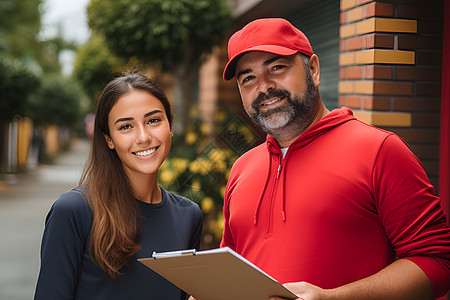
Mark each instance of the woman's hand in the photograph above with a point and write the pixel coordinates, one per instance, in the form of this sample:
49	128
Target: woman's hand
305	291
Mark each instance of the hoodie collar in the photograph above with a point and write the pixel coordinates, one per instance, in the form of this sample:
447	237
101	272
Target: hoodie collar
333	119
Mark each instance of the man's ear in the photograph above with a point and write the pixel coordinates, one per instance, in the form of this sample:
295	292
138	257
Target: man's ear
109	142
315	69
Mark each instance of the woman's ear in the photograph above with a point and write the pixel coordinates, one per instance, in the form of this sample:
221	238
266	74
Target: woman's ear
109	142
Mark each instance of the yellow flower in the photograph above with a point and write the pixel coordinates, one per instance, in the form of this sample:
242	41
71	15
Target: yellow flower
191	138
217	155
179	165
230	154
219	166
194	167
205	128
196	185
247	133
220	116
207	204
219	160
205	167
218	225
167	176
200	166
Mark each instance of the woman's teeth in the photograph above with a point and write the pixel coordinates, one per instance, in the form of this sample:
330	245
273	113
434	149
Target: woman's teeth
146	152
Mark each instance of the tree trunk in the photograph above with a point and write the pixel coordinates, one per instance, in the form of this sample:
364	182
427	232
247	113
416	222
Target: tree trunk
3	146
182	88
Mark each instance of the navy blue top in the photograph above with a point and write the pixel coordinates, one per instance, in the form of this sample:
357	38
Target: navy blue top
68	272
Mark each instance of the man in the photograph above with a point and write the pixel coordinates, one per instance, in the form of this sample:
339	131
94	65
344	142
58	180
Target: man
335	208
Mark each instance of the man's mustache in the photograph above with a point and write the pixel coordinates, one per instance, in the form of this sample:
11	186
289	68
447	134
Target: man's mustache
266	96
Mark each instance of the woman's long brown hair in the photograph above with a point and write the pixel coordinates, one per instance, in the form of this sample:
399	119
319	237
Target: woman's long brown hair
116	223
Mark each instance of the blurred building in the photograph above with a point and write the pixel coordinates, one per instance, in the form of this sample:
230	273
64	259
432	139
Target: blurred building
382	59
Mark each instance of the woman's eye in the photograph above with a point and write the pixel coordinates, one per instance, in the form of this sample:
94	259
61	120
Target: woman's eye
153	120
124	127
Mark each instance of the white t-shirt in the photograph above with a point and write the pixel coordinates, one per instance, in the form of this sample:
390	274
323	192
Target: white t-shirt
284	150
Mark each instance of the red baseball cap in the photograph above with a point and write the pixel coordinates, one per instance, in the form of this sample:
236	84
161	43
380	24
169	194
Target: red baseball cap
273	35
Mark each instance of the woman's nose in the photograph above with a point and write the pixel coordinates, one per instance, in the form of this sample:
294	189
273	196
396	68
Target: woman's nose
143	135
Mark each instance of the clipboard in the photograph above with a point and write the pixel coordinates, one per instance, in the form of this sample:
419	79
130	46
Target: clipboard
217	274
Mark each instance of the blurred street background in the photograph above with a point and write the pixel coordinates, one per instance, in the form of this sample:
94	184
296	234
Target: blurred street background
25	200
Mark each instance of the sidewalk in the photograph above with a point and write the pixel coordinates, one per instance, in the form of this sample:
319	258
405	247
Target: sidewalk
24	202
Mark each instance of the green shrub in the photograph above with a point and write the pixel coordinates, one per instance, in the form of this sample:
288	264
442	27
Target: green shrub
17	83
199	163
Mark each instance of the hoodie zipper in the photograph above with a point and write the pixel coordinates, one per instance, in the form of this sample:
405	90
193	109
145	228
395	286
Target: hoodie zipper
279	170
272	199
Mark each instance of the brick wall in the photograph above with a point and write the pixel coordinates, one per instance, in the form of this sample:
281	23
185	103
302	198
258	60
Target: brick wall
216	94
390	70
228	90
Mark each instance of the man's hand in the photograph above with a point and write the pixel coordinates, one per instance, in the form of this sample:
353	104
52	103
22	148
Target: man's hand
402	279
305	291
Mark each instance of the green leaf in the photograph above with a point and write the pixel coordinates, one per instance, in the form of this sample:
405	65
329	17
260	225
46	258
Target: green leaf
155	30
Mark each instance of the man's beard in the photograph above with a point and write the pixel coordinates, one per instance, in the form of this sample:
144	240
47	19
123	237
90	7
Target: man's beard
290	119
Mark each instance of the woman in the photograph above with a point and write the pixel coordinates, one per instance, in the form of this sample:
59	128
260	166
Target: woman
95	232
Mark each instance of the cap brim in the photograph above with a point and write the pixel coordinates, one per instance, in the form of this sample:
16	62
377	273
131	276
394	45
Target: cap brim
229	71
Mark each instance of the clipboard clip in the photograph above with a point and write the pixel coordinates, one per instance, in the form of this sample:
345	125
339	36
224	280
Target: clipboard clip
156	255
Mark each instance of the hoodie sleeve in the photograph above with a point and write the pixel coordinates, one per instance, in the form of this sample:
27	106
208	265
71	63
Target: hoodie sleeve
411	212
227	238
65	236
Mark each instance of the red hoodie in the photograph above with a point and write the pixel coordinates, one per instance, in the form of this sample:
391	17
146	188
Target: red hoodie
346	200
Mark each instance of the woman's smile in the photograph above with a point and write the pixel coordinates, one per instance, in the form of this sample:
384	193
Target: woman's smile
144	153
